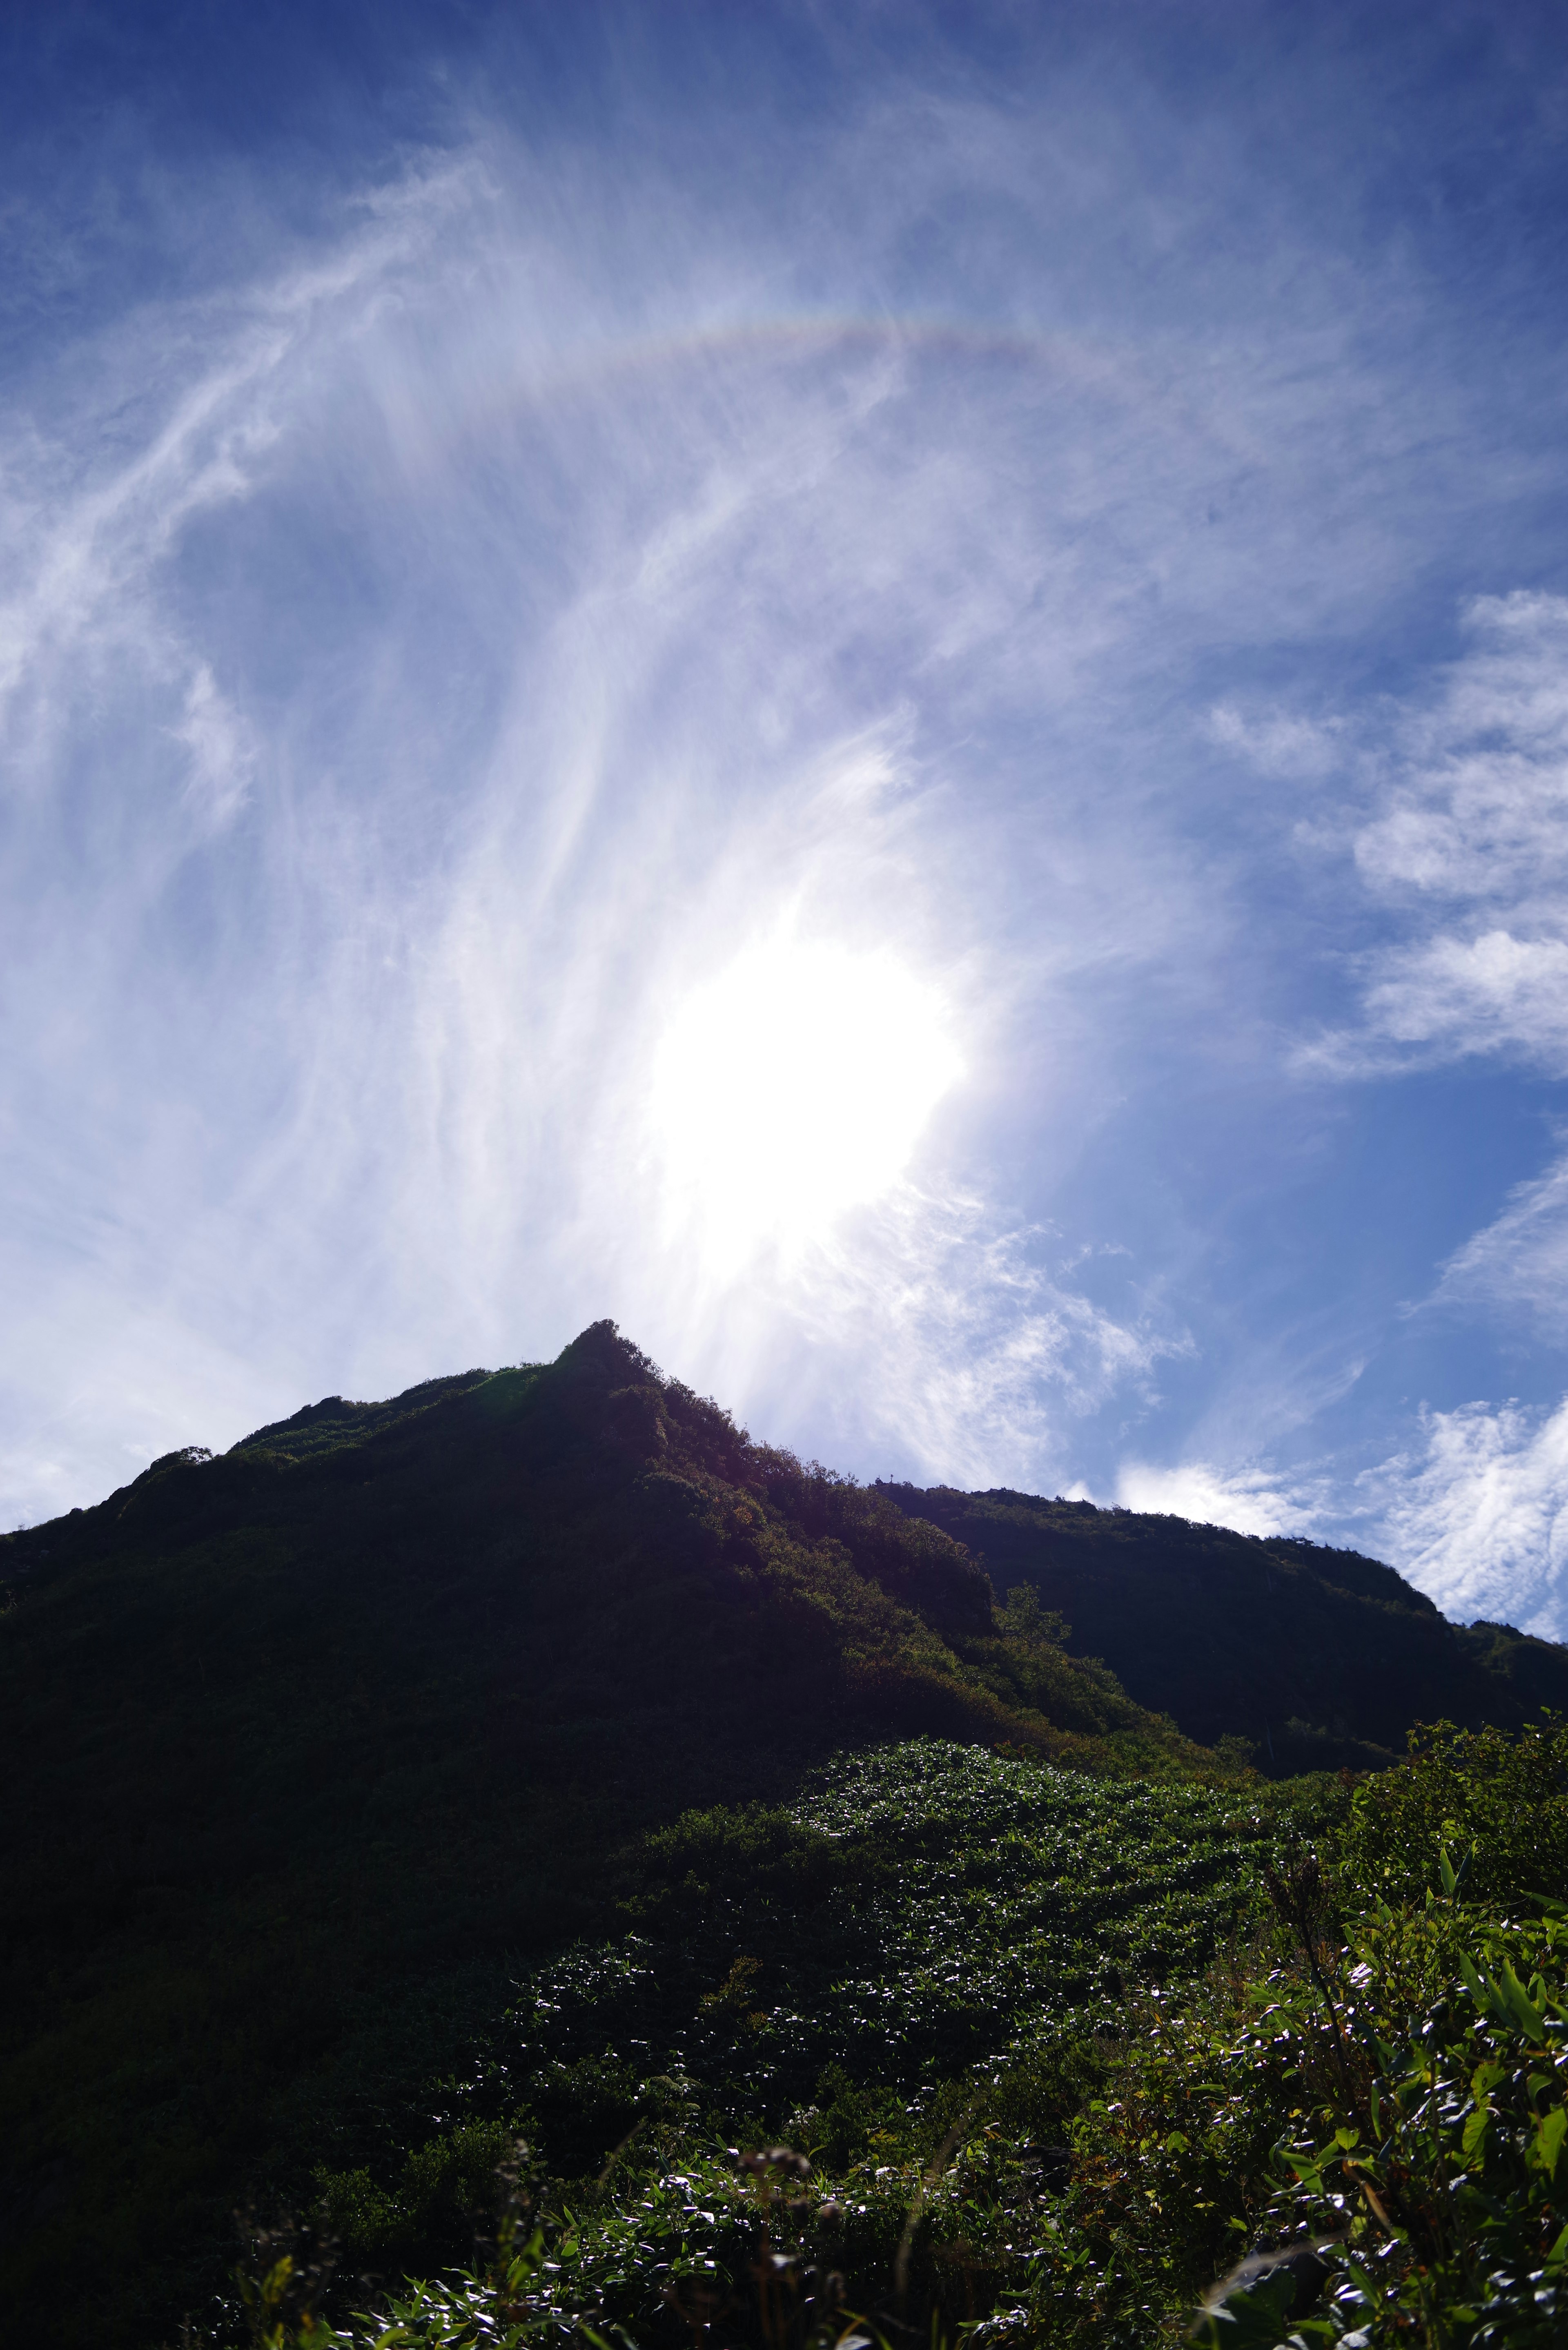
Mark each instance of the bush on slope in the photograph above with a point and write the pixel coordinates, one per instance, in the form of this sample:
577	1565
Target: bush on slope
1353	2120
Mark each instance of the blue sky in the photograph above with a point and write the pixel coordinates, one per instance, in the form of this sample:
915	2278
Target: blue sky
885	689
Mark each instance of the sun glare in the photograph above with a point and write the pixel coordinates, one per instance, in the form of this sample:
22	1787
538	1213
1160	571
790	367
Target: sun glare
793	1087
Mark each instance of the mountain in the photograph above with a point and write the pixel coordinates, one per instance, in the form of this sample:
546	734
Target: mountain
311	1750
307	1746
1318	1658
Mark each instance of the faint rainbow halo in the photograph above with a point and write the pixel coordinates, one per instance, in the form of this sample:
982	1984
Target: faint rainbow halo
530	365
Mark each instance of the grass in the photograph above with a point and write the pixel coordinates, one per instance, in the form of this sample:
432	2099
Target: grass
1349	2126
923	1932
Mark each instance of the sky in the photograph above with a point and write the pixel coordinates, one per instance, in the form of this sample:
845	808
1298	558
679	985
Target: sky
882	689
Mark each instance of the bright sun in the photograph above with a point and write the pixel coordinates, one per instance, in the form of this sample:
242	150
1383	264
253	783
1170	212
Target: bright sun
794	1086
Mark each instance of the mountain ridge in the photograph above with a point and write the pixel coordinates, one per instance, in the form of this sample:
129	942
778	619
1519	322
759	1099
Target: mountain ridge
1318	1656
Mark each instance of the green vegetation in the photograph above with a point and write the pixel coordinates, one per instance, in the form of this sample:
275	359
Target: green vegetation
535	1761
306	1749
840	1971
1348	2124
1318	1659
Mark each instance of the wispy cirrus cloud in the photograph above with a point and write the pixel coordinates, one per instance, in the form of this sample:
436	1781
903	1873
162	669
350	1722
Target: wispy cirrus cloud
1254	1500
1474	811
1464	845
1475	1514
973	1352
223	752
1453	806
445	651
1279	743
438	677
1454	995
1517	1266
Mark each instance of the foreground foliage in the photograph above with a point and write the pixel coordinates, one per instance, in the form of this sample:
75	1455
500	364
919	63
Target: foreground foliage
1350	2113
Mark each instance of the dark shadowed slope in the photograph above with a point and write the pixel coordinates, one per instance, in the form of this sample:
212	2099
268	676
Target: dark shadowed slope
306	1749
328	1732
1317	1655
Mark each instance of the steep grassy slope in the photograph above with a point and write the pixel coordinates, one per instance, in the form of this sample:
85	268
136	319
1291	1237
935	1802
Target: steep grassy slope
1318	1656
305	1747
1039	2126
850	1972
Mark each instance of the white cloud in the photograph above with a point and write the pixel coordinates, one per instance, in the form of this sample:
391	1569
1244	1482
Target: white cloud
1476	806
1477	1516
1487	995
566	753
1467	851
223	752
1519	1264
1279	743
575	571
1252	1501
962	1359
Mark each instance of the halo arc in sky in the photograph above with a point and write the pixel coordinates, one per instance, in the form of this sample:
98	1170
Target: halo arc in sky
884	695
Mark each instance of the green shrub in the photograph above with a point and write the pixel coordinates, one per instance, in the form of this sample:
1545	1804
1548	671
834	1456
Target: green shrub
444	2199
1426	2170
1506	1796
1340	2117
